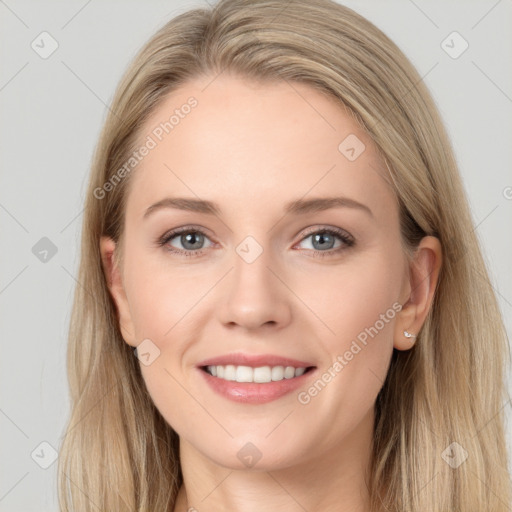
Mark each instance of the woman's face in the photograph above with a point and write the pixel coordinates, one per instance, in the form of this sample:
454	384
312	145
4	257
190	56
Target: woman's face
270	271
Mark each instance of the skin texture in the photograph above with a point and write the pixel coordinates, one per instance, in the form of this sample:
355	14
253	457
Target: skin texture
252	148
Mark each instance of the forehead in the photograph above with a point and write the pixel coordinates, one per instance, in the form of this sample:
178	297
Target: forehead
236	140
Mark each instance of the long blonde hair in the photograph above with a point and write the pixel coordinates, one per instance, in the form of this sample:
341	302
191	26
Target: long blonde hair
118	453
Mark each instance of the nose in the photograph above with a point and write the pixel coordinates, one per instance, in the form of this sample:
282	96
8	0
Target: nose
254	295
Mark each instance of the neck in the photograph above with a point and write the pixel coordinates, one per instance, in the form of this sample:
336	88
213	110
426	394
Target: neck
332	481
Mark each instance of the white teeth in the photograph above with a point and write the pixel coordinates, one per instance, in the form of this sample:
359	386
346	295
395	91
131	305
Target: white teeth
289	372
260	374
278	373
299	371
230	372
243	374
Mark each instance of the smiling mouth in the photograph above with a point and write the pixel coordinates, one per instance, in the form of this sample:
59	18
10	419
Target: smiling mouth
258	375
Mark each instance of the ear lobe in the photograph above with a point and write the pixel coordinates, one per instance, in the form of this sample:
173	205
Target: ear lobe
423	279
116	288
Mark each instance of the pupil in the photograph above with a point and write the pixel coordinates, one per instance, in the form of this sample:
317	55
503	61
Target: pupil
321	239
189	239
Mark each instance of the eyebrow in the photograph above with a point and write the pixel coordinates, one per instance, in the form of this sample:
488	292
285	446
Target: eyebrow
297	207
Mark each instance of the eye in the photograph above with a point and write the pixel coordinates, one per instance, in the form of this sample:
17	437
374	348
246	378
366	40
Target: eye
191	240
323	241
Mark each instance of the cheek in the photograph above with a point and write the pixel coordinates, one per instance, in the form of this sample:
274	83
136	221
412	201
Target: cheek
159	297
359	316
162	312
165	304
352	297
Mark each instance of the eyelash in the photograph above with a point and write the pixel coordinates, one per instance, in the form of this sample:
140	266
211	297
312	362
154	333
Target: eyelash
341	234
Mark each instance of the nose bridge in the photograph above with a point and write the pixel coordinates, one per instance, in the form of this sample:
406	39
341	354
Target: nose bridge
254	295
251	267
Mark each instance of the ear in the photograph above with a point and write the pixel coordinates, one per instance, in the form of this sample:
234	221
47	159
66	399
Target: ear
116	288
419	289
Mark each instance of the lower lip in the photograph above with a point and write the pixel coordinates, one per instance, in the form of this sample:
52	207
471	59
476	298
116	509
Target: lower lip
253	392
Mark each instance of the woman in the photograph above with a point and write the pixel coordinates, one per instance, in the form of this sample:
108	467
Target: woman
284	303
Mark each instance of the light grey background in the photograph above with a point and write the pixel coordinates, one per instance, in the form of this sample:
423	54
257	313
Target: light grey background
51	113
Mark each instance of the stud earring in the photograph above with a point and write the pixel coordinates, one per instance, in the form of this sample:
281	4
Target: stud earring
407	334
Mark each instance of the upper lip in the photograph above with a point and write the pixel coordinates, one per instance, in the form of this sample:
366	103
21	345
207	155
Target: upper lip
254	360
